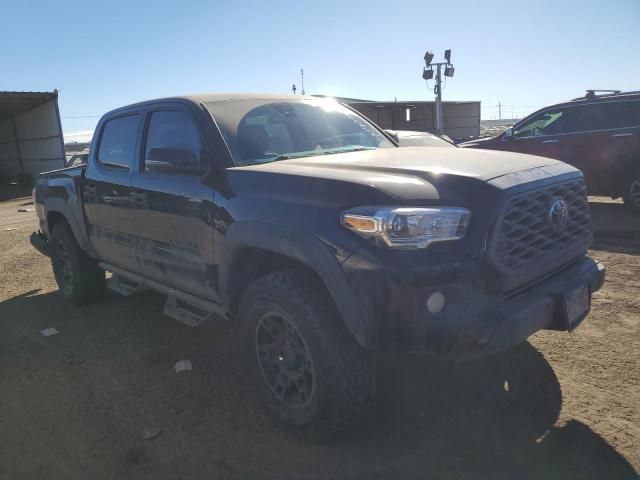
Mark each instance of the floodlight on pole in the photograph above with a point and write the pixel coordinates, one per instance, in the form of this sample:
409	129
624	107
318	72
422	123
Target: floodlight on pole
427	73
428	57
432	70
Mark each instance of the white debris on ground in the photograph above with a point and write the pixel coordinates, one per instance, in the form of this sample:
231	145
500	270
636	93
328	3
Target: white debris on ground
506	385
47	332
182	366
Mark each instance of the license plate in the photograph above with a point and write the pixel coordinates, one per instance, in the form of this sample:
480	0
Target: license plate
577	304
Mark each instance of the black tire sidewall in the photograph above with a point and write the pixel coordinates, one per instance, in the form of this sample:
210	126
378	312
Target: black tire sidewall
62	234
88	280
628	200
260	304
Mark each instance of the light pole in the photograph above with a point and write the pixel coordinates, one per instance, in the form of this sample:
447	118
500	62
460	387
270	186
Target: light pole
302	80
427	74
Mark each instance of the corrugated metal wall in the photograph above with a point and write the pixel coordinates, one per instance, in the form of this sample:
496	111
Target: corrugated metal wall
461	119
38	141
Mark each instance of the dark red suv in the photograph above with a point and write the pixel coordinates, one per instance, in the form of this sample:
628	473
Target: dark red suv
597	133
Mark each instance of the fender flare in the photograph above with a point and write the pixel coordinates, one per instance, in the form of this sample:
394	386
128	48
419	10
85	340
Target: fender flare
63	200
304	248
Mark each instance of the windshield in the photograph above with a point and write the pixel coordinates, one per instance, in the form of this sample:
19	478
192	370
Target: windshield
261	131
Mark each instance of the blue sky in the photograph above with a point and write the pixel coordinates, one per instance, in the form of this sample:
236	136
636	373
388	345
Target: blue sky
105	54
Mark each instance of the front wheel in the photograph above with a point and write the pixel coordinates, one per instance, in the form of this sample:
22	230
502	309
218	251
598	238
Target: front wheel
308	370
631	193
78	276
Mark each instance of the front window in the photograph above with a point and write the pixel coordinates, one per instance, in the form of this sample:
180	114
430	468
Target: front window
261	131
548	123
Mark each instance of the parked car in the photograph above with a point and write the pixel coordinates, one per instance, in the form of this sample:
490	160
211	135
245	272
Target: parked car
410	138
599	134
301	222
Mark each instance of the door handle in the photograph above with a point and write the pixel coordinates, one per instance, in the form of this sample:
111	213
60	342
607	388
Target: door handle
616	135
551	141
88	189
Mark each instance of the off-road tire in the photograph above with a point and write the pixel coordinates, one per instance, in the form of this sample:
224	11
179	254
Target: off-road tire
78	276
343	371
631	193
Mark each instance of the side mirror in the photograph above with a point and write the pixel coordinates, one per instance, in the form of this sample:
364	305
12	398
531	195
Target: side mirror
508	134
172	160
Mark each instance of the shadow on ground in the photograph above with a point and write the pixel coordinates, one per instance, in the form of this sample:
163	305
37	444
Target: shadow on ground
75	405
9	191
616	229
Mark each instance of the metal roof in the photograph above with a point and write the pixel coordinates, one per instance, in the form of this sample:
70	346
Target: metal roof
13	103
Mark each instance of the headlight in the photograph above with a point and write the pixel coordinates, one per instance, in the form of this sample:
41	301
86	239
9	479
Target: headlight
408	227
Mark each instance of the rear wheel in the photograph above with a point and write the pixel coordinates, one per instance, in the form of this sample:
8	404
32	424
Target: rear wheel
632	193
308	370
78	276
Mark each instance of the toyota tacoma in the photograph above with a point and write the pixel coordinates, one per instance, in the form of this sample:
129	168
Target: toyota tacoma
303	223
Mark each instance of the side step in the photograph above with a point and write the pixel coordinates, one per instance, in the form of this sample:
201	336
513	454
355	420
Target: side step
181	306
187	313
124	286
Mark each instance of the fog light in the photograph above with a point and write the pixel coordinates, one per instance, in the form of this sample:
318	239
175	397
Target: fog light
436	302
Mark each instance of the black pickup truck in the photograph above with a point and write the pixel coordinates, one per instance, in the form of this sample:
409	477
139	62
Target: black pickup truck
305	224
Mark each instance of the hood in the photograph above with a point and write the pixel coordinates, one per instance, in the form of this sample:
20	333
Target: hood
409	172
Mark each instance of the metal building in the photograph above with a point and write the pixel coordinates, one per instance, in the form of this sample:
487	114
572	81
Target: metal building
461	119
31	138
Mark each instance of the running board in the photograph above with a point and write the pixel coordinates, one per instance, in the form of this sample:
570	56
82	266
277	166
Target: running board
123	286
184	307
188	313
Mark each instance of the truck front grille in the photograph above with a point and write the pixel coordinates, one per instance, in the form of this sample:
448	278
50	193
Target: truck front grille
525	241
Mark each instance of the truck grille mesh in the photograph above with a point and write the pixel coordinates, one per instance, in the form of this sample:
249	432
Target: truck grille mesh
524	234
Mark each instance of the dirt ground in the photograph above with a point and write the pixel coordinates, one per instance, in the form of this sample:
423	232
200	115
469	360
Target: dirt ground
77	405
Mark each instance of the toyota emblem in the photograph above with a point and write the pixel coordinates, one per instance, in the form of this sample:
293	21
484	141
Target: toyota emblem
558	214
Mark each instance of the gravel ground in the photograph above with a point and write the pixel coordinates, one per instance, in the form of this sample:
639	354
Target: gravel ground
82	403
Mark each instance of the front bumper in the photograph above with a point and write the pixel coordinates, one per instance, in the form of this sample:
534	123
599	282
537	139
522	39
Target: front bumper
476	320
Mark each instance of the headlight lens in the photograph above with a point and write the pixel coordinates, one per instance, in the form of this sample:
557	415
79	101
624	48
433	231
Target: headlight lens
408	227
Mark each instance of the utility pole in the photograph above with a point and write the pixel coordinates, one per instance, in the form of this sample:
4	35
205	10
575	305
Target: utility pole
302	80
427	74
499	111
439	126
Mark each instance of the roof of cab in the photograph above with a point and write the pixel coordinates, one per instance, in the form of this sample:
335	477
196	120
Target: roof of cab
214	97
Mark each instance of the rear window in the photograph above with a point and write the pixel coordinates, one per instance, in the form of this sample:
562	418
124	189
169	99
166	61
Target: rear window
118	142
610	115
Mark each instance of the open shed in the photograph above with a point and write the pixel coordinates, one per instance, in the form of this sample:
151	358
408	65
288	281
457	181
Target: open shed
31	138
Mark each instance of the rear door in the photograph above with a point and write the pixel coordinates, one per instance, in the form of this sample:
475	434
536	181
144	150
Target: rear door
172	209
105	188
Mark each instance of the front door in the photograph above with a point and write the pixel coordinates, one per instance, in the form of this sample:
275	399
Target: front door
172	210
541	135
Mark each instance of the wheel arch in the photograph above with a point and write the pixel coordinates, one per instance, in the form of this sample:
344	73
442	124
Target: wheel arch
253	249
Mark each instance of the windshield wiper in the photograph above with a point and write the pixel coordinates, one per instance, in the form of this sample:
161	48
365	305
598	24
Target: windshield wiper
314	153
349	150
